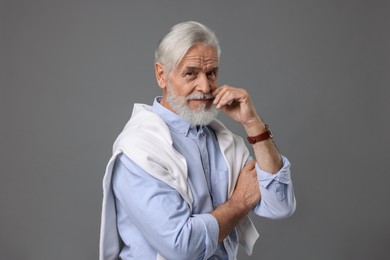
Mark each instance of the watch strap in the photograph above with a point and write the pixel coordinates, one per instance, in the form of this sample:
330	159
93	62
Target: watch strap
261	137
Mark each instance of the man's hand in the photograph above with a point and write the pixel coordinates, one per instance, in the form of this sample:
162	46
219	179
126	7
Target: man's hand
247	192
245	196
236	103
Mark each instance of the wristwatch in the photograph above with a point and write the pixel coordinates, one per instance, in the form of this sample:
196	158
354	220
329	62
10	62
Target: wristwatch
261	137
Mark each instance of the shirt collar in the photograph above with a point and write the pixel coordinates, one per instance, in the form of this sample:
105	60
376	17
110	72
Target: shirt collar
174	121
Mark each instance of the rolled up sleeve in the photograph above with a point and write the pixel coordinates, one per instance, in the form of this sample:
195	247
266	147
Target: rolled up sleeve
277	192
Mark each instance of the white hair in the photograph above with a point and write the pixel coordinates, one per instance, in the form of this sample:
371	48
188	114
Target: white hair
180	38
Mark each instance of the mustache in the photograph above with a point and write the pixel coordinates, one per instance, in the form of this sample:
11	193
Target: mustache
200	96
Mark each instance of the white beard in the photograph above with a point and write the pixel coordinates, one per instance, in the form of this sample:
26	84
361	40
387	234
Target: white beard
179	104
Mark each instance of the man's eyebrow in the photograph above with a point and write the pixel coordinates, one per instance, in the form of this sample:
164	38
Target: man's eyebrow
214	69
194	68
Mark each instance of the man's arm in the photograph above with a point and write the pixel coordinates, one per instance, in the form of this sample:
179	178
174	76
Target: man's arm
161	215
245	196
267	156
277	193
237	104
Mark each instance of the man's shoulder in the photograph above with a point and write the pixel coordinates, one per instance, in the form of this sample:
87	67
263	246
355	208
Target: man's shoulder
144	126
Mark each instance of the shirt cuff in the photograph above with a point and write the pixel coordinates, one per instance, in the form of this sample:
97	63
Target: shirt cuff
282	176
212	233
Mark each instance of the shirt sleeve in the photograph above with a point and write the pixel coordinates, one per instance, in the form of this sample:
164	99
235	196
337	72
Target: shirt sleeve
277	193
162	215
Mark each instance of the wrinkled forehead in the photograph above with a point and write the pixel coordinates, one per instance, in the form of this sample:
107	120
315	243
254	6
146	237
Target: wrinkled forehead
200	55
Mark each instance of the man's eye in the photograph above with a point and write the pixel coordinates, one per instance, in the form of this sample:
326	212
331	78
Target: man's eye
212	74
190	74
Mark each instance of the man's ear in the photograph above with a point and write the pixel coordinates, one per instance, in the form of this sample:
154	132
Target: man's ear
161	75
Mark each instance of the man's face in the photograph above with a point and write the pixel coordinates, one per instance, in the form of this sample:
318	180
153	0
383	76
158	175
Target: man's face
189	85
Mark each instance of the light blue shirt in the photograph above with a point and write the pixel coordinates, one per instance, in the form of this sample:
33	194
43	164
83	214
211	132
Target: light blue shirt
152	217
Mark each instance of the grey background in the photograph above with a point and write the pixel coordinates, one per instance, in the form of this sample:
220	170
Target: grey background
318	71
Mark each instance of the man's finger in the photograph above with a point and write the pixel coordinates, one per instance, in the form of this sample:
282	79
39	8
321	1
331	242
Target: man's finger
250	165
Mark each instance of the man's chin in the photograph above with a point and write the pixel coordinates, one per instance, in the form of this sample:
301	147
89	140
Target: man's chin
201	117
195	112
200	106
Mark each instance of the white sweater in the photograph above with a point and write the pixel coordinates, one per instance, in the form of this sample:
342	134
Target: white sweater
147	141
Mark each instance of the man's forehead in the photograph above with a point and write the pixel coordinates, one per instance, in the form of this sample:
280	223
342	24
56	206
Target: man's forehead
196	66
200	56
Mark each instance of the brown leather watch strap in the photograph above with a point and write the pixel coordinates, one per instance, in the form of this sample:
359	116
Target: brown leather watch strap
261	137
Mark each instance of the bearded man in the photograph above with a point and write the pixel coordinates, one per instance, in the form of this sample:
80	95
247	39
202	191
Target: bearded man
180	185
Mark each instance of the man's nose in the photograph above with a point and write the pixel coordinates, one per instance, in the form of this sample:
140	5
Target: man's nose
203	83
